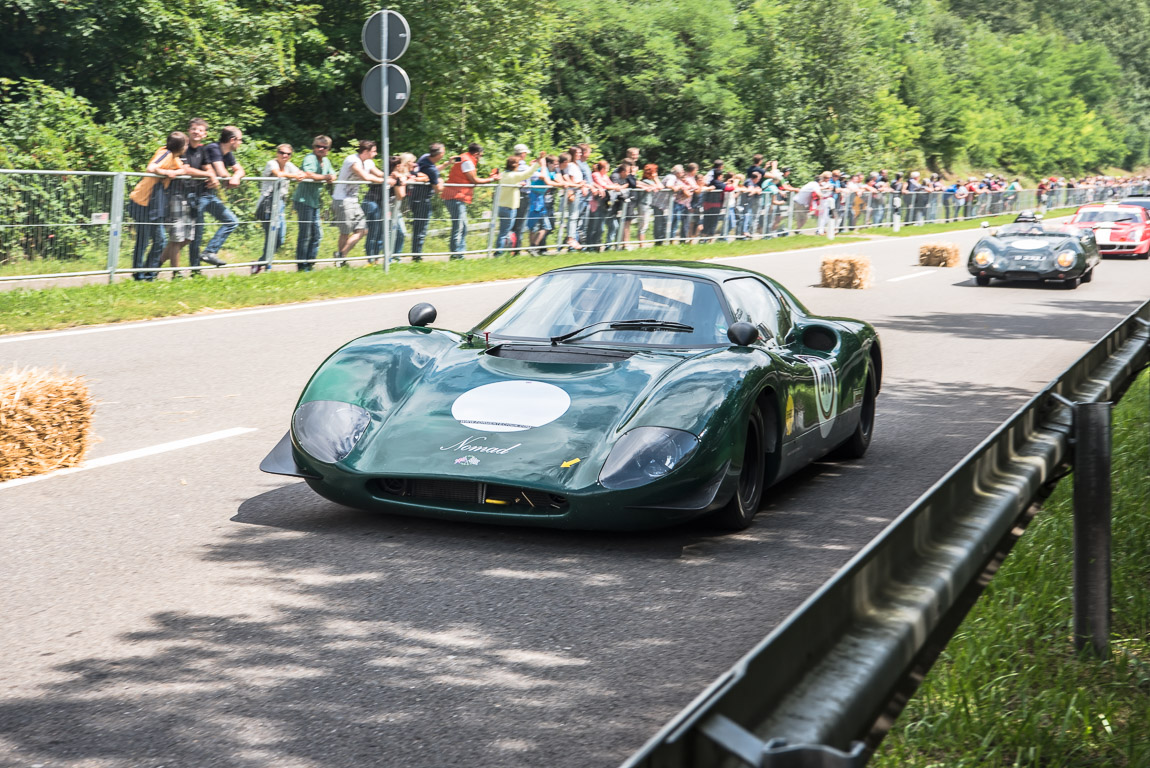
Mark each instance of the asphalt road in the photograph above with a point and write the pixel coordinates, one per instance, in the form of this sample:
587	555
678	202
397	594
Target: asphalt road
180	608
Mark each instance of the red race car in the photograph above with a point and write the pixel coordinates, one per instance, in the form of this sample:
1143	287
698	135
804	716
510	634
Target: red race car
1119	229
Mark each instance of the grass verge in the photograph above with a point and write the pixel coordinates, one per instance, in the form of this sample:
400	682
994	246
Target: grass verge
50	308
1010	690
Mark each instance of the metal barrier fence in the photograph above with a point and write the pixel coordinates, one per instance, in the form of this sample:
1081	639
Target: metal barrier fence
67	224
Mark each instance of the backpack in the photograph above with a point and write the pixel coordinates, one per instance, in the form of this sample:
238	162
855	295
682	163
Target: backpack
146	193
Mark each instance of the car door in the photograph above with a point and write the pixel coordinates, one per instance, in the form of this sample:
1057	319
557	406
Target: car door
802	377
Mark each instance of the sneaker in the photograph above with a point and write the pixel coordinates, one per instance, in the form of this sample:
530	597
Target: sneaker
177	275
257	269
211	258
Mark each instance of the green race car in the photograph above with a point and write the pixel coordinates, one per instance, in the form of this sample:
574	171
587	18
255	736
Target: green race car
623	395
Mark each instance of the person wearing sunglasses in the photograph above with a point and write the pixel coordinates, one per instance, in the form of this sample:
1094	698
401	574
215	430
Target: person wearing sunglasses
315	170
280	168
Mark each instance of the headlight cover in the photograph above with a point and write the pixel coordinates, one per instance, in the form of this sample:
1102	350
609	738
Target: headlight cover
328	429
1067	258
644	455
983	257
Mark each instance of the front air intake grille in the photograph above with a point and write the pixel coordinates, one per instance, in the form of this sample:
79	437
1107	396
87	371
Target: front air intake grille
466	494
1032	276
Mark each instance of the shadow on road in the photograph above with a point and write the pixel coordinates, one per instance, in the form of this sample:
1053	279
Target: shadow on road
1078	321
392	641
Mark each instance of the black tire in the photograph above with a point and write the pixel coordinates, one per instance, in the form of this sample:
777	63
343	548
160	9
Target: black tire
1071	284
740	510
983	280
1088	275
855	446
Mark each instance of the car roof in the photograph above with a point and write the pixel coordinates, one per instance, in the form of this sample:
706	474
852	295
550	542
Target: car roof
714	272
1123	206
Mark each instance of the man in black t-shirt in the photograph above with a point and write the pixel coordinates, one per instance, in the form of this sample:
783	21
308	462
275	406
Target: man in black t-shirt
427	172
218	158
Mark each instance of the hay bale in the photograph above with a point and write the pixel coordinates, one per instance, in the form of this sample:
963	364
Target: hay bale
45	422
846	272
938	255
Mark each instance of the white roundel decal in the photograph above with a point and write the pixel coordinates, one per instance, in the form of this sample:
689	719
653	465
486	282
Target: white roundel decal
1028	245
510	406
826	391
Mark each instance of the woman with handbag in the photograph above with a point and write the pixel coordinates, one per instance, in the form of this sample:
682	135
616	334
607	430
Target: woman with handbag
281	169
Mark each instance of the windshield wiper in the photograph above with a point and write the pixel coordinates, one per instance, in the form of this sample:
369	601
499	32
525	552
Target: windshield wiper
625	325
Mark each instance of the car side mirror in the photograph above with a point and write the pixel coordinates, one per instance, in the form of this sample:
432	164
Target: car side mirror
421	315
743	334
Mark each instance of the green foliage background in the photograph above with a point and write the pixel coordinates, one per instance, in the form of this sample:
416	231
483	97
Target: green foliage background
1033	87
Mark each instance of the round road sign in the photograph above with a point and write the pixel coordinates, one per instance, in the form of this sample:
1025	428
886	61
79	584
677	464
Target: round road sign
398	35
398	85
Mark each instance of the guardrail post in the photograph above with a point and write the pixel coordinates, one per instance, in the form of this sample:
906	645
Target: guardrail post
116	225
272	233
494	223
1092	527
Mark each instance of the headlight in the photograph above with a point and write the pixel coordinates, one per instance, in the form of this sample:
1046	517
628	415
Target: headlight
327	429
983	257
1067	258
645	454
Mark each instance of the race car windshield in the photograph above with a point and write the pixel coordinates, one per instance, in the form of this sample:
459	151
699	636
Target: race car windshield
1034	228
1102	214
663	310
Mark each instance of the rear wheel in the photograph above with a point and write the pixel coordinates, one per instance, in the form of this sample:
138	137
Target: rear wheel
856	445
741	509
983	280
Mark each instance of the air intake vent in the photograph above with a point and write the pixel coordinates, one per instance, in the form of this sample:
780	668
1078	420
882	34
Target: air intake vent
469	495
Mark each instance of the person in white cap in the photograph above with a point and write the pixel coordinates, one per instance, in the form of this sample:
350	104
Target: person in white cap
917	212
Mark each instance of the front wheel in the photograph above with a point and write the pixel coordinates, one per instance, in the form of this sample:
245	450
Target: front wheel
1088	275
1071	284
741	509
983	280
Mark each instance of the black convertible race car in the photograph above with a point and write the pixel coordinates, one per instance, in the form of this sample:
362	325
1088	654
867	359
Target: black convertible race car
1031	251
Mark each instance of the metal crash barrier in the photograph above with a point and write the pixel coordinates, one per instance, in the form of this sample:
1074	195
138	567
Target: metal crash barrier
821	689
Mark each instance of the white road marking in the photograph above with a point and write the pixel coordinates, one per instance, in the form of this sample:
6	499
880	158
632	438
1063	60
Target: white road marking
139	453
242	312
908	277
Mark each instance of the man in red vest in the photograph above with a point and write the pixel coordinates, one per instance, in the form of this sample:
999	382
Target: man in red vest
457	193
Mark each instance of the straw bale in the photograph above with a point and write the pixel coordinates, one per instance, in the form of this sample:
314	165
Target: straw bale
939	255
45	422
846	272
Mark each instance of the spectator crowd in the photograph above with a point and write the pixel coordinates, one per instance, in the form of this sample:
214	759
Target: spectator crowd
580	201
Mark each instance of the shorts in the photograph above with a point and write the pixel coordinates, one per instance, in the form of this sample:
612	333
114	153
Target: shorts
180	225
538	220
349	215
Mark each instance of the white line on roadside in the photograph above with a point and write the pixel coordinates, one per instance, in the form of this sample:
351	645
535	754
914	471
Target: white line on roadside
908	277
139	453
244	312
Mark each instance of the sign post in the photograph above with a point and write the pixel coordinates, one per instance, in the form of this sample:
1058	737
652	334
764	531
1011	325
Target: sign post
385	37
